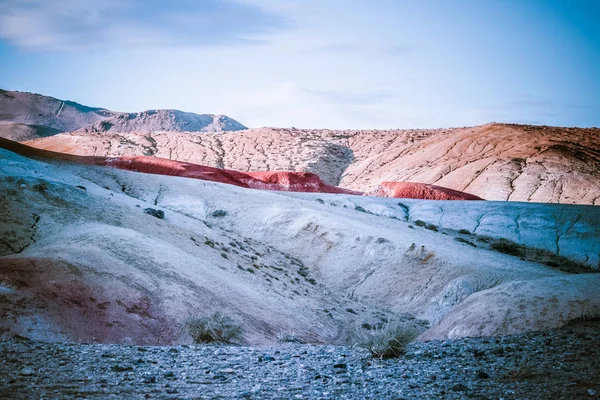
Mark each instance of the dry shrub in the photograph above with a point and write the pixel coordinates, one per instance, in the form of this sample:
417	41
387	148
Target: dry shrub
386	341
288	337
217	327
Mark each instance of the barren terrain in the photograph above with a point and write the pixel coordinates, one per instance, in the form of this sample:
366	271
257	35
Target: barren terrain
97	254
494	161
559	364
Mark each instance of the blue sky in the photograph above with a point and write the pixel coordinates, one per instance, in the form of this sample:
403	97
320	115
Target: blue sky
314	63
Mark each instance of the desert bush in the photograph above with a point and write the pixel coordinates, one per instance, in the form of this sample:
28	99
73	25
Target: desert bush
420	223
217	327
521	370
386	341
431	227
465	241
288	337
160	214
40	187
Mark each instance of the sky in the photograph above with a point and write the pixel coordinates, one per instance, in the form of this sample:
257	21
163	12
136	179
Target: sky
335	64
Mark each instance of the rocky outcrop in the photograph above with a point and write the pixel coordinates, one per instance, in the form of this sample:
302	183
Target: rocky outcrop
413	190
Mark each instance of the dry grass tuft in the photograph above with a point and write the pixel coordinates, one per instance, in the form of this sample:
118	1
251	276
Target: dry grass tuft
218	327
386	341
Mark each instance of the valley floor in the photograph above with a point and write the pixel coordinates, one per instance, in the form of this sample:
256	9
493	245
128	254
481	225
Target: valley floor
558	364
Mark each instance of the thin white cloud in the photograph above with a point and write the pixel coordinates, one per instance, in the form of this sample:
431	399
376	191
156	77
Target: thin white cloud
77	24
348	49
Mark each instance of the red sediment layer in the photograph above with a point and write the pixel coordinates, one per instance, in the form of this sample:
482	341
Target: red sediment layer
414	190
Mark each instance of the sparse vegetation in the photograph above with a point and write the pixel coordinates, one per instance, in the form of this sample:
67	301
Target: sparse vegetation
464	232
507	247
431	227
386	341
40	187
218	213
218	327
485	239
288	337
465	241
521	370
535	255
160	214
359	208
420	223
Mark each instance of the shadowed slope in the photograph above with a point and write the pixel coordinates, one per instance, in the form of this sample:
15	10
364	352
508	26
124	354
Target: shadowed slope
35	109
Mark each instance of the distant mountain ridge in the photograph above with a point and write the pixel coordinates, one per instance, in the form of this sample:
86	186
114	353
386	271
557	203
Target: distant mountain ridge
165	121
36	111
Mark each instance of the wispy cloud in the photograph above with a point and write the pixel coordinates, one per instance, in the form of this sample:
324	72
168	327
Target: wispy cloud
76	24
345	49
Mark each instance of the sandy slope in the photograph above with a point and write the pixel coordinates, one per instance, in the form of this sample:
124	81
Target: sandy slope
81	260
494	161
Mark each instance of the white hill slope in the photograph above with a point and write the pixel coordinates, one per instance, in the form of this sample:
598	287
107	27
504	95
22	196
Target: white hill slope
81	260
165	121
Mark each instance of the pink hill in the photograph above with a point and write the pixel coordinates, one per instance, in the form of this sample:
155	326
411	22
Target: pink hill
414	190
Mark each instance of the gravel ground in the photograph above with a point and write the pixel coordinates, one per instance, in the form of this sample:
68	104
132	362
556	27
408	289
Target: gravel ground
559	364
